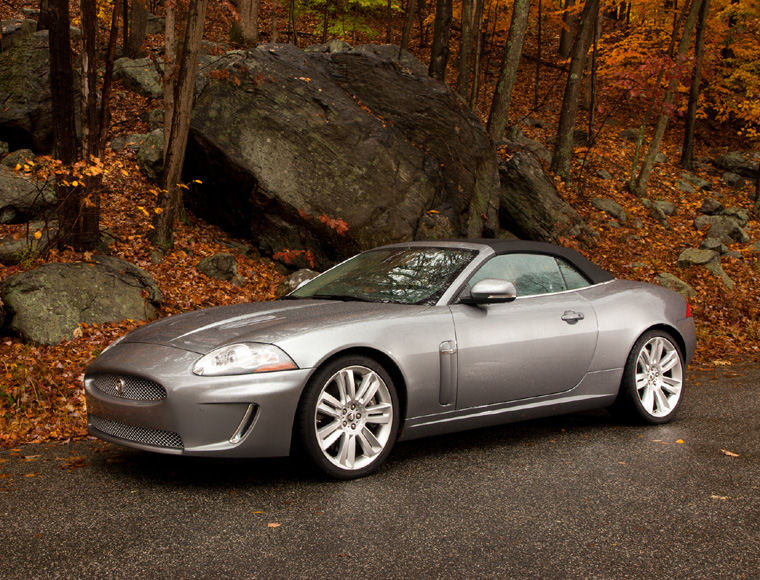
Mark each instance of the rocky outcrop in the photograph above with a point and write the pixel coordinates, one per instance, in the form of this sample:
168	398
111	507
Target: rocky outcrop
724	224
21	197
611	207
293	281
744	163
140	75
709	259
676	284
531	208
336	151
222	267
26	111
46	304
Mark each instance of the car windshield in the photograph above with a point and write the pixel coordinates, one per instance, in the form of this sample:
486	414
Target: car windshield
418	275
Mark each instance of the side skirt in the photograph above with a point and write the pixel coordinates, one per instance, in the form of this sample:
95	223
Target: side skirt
596	390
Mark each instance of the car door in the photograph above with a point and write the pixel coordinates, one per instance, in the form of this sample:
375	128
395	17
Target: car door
539	344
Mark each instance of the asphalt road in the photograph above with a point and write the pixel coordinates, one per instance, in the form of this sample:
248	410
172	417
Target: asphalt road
574	496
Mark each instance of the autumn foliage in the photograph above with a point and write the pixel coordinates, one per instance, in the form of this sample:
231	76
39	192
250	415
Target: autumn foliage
41	394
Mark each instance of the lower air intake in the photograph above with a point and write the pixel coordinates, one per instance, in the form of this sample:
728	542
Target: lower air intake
144	435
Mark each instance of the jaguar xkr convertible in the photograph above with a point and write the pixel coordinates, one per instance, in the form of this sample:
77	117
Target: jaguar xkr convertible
396	343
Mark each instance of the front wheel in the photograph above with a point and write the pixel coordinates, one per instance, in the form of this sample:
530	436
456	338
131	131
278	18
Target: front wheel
349	417
652	386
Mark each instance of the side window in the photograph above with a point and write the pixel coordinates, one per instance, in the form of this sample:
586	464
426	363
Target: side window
530	273
573	278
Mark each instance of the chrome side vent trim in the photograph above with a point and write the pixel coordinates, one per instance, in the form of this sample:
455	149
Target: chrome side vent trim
249	417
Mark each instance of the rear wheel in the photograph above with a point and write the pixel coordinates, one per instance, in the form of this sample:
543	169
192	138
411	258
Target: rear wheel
653	379
349	417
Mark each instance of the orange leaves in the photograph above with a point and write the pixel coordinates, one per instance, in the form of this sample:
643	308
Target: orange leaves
336	224
291	256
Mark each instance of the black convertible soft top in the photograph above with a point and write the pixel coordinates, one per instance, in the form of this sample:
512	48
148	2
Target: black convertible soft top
594	273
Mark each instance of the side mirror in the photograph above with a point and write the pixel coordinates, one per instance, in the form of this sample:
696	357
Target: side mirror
490	291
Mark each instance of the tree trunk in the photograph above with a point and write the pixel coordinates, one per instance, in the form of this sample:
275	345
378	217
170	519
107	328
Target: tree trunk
62	82
592	80
292	17
326	21
388	21
478	55
421	5
138	20
89	79
170	69
569	23
125	25
537	76
640	186
105	98
439	54
43	21
465	47
411	8
170	200
499	115
564	146
687	152
249	21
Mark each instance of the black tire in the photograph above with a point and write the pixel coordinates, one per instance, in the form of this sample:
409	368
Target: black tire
358	430
651	390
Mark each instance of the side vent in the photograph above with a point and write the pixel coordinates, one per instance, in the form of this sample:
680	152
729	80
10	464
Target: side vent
448	388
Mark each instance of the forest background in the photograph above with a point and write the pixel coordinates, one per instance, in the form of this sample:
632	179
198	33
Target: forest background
626	95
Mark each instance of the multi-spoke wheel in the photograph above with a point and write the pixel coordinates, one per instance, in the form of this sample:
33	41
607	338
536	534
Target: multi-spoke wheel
349	417
653	379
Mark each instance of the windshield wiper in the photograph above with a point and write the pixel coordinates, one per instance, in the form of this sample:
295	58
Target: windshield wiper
341	297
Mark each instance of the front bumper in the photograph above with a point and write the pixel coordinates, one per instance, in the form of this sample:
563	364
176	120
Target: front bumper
234	416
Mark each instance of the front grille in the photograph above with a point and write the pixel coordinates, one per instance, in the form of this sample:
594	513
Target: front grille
129	387
144	435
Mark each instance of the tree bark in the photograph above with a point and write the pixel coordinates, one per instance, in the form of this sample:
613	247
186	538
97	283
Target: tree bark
249	21
537	77
499	115
105	95
465	47
43	21
439	54
564	146
478	55
170	69
62	82
569	23
138	20
89	79
388	21
170	200
687	152
640	186
411	8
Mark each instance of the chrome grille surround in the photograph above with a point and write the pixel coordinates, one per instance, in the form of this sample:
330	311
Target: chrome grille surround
129	387
143	435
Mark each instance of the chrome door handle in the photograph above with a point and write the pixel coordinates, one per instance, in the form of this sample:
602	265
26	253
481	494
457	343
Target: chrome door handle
571	317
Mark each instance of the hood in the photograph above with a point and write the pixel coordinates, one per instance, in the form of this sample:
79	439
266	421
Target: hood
204	330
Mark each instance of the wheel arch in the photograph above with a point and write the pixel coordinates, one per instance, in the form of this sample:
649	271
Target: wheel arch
381	358
672	331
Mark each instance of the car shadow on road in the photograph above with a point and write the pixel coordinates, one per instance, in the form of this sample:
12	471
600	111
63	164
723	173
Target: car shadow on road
209	473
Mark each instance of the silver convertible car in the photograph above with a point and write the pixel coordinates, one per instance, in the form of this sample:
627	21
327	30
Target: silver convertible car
396	343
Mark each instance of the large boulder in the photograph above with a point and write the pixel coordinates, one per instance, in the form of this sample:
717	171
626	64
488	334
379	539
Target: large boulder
26	102
45	305
743	163
336	151
139	75
531	208
22	197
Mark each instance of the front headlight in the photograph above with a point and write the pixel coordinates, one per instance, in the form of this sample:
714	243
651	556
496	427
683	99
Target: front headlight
241	359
